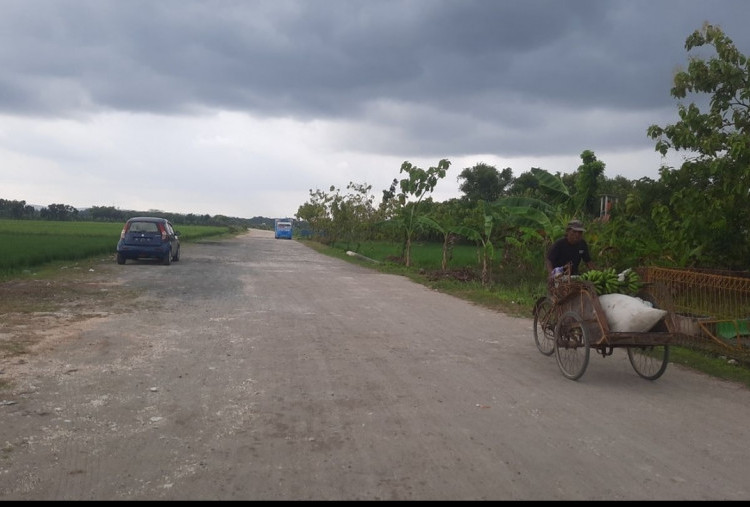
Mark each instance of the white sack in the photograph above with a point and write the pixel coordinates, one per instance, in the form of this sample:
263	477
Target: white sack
627	314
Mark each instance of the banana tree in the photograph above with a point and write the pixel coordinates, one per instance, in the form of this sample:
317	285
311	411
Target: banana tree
482	236
446	230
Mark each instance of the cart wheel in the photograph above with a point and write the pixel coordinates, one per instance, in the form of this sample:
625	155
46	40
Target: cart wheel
649	362
544	326
572	347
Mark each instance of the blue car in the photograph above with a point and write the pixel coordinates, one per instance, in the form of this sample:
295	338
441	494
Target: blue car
148	238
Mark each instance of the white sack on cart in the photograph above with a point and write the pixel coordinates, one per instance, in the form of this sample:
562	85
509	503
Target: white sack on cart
627	314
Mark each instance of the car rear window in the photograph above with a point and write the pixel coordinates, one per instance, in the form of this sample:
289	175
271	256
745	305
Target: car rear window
143	227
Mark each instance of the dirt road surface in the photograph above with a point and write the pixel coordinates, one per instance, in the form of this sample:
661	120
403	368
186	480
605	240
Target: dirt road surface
258	369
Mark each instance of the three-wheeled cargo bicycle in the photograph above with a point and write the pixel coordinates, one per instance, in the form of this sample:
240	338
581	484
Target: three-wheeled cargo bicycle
569	321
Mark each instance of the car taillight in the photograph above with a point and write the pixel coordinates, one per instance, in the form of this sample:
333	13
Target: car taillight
124	230
163	232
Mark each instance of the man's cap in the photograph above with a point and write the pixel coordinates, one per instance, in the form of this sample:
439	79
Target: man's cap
576	225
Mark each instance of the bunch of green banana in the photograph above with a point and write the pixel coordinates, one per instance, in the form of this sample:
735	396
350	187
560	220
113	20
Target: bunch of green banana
630	282
607	281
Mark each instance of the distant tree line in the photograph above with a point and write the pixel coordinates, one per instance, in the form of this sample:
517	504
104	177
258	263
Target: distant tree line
19	210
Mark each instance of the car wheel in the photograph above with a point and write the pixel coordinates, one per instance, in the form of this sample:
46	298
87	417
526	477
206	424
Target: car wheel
120	259
176	257
167	259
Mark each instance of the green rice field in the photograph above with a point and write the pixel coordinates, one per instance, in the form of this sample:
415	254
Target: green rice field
26	244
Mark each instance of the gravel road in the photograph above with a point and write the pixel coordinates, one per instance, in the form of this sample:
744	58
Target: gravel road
258	369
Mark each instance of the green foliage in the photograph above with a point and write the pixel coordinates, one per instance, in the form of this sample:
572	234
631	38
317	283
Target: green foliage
351	214
316	213
19	210
16	209
484	182
707	214
60	212
446	230
525	212
414	189
587	178
482	235
552	186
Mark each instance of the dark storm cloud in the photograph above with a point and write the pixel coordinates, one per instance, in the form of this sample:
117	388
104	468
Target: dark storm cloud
477	74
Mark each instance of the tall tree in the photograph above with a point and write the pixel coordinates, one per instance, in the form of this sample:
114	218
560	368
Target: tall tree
16	209
587	178
417	186
484	182
59	212
352	213
525	184
708	213
316	212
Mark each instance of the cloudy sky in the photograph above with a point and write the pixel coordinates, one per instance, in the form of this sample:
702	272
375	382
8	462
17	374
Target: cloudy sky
241	107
